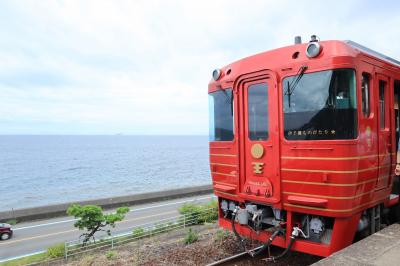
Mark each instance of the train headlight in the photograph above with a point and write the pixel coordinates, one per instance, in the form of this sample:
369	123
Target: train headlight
313	49
216	74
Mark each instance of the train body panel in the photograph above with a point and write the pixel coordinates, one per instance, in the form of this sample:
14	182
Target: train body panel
307	142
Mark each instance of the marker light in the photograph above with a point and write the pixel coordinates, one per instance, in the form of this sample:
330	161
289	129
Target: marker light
313	49
216	74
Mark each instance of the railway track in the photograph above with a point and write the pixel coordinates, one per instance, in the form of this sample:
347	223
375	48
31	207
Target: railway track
233	257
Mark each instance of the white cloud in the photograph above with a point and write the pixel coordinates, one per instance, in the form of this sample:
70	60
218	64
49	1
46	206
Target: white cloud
142	67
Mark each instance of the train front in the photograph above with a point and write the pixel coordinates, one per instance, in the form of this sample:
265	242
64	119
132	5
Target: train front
285	151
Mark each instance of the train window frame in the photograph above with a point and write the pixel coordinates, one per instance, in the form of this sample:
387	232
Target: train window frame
366	94
255	135
212	116
353	103
382	86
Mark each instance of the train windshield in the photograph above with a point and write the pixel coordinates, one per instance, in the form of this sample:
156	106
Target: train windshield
221	115
322	106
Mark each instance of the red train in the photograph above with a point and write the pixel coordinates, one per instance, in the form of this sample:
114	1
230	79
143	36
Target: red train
303	143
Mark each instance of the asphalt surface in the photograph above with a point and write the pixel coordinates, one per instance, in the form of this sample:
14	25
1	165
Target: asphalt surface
32	237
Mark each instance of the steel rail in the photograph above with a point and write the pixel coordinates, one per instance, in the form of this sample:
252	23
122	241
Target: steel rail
227	259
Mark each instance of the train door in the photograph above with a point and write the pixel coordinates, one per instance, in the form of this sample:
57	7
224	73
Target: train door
384	132
396	104
260	138
396	95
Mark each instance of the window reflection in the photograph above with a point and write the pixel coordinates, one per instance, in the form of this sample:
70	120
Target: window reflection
221	115
257	99
321	106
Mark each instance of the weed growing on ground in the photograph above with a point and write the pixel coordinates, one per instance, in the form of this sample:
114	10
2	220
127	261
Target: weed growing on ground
56	251
138	232
87	260
137	257
221	235
110	255
191	237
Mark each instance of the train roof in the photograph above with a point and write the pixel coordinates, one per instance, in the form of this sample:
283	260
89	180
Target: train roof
285	57
373	53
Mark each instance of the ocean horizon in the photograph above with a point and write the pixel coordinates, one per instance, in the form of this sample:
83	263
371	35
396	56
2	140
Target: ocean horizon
39	170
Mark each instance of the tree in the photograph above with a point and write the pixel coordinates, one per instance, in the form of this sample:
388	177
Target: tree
92	219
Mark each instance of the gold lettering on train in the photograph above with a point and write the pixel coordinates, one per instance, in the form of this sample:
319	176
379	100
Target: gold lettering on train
258	167
311	132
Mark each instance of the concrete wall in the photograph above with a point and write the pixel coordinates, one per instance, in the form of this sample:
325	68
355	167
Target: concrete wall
379	249
50	211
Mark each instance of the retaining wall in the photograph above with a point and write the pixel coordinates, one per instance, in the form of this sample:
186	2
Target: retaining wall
51	211
379	249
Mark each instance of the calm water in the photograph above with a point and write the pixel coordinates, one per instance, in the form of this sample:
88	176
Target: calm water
41	170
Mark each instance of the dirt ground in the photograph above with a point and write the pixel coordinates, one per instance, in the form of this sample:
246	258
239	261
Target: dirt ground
169	249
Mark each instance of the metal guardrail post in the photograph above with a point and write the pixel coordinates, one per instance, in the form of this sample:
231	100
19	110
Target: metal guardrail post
184	221
112	243
66	250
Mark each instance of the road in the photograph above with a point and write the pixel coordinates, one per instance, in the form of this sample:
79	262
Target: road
32	237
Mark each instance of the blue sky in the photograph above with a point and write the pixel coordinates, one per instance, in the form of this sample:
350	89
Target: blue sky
142	67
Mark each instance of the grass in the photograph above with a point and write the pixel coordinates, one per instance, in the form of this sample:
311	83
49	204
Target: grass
200	214
138	232
191	237
26	260
110	255
12	222
56	251
221	235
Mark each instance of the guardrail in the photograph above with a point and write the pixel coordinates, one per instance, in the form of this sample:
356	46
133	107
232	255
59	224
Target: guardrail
73	248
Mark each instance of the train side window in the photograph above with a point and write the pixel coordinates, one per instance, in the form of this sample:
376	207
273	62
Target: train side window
365	92
221	115
258	111
382	85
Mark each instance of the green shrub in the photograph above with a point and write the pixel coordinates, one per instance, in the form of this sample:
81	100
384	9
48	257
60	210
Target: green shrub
192	213
56	251
210	212
12	222
191	237
110	255
199	214
138	232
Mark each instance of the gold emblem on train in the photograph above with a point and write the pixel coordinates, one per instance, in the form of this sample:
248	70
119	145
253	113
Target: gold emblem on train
257	151
258	167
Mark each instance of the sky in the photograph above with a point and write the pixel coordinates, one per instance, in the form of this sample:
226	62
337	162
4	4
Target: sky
142	67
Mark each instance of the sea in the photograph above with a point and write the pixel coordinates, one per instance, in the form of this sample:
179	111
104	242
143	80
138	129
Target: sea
44	170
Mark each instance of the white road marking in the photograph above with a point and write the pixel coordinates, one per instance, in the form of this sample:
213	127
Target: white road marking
172	203
73	230
46	224
22	256
134	210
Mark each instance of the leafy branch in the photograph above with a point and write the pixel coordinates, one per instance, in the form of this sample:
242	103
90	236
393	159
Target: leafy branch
92	219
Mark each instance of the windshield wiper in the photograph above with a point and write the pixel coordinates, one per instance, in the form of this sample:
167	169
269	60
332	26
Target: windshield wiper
292	86
229	99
